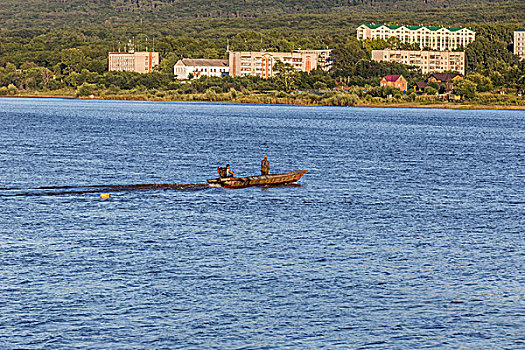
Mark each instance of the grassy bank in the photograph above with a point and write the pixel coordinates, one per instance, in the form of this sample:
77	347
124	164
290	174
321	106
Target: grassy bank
330	98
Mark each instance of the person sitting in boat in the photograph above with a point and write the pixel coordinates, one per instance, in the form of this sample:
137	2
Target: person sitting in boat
229	172
225	171
265	166
222	171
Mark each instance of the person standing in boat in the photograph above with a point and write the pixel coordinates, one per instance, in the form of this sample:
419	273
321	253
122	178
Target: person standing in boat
265	166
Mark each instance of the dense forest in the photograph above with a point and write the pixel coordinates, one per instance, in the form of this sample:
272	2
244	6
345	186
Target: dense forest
73	58
38	13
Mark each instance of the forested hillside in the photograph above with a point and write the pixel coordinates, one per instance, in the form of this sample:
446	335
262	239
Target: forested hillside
37	13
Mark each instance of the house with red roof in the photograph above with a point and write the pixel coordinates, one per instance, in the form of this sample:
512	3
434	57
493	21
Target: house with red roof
395	81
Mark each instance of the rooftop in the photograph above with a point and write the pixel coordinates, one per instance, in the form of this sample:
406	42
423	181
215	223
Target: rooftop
412	27
392	77
131	53
209	62
444	77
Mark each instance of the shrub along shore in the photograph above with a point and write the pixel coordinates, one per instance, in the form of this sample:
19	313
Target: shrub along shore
327	98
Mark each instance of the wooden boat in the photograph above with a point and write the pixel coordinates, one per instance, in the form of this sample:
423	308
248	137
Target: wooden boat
260	180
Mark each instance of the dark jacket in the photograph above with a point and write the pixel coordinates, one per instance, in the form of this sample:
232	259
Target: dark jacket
222	172
265	167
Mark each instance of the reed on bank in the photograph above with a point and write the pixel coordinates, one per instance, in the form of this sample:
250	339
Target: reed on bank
321	98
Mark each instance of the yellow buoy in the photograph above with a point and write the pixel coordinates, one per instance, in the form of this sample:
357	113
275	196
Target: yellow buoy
105	195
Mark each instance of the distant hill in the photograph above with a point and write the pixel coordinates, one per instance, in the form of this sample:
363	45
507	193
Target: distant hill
46	13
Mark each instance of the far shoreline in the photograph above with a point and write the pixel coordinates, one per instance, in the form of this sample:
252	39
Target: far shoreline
392	105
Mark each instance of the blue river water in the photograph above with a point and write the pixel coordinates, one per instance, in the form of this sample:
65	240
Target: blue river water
407	232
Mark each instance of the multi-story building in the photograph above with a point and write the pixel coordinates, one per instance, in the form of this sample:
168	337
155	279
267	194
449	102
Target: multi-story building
519	43
200	67
432	37
140	62
243	63
427	61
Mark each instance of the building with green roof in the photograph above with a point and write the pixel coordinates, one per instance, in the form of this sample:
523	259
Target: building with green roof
427	37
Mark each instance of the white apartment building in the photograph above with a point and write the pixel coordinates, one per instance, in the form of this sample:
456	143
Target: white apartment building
260	63
433	37
428	61
519	43
200	67
140	62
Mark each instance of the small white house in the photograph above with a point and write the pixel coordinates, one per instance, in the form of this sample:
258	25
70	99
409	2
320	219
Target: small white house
199	67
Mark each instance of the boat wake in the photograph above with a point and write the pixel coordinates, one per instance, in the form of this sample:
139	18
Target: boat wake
65	190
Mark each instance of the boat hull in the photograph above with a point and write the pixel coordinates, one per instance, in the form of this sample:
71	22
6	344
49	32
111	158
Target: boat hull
260	180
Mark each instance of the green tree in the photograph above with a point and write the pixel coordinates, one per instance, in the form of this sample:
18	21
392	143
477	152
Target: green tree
430	90
12	89
73	59
465	88
376	44
433	85
86	89
319	85
497	78
488	54
97	65
10	68
483	83
32	78
520	85
348	54
285	74
45	75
